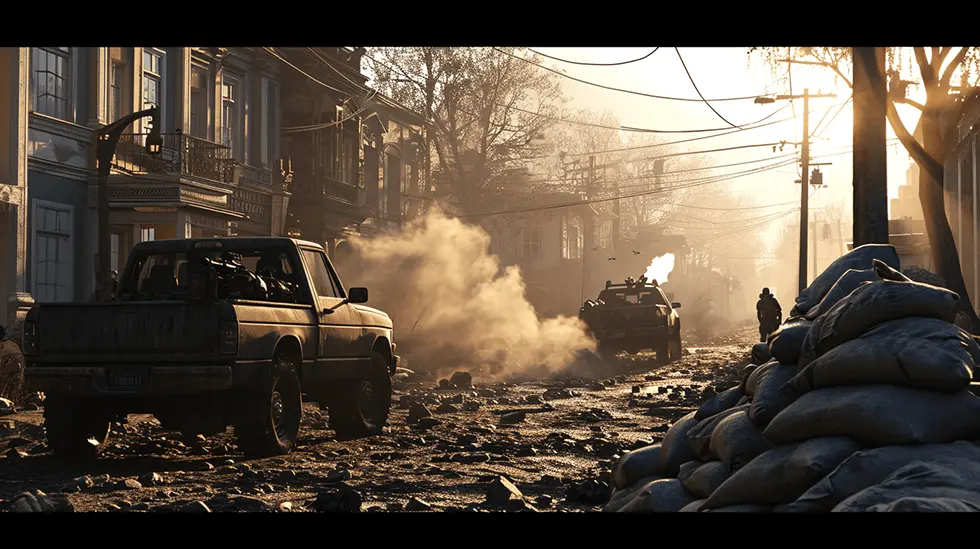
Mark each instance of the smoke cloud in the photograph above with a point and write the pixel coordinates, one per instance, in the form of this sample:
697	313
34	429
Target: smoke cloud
454	308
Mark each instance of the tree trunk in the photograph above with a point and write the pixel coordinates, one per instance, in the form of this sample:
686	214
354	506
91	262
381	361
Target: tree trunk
944	253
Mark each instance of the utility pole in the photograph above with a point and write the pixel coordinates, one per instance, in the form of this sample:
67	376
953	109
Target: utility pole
805	181
870	159
805	188
588	226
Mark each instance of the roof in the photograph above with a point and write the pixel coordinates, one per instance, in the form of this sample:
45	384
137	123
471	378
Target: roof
229	243
396	110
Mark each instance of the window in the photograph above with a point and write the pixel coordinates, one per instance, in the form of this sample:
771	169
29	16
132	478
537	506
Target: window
270	121
231	117
530	243
115	92
114	252
316	262
52	255
51	82
148	235
152	77
605	235
199	102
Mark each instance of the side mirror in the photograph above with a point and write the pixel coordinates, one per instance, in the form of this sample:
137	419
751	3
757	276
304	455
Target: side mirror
676	305
357	295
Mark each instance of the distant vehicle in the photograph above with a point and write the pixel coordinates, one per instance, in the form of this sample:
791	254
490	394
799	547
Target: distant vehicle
206	333
633	317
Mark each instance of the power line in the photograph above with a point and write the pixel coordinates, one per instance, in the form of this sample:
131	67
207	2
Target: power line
633	92
691	78
272	52
595	64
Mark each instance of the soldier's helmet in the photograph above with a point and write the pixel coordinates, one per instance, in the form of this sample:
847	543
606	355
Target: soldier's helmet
765	291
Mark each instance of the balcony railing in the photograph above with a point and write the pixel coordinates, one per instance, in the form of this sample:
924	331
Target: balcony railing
181	155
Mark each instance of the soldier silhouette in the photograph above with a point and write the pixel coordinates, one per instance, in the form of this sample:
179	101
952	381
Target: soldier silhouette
769	312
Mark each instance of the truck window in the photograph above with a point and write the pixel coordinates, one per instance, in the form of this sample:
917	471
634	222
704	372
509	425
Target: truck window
323	283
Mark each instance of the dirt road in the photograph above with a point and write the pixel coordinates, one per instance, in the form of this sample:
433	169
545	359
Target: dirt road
558	454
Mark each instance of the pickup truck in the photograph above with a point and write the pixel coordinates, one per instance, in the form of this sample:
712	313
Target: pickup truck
207	333
634	316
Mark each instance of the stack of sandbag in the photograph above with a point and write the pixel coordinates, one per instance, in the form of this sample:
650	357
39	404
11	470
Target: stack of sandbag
873	413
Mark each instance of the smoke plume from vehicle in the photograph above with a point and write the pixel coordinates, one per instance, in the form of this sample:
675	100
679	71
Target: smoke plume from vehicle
453	307
660	268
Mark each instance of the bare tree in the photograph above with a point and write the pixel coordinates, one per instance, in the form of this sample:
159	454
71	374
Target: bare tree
934	70
490	111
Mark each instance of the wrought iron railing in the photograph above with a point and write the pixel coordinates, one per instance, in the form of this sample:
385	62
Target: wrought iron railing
181	155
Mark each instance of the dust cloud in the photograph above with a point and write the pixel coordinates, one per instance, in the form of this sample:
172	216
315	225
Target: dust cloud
453	307
660	268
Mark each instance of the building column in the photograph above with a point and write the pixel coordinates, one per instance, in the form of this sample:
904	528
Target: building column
98	87
19	300
182	99
184	228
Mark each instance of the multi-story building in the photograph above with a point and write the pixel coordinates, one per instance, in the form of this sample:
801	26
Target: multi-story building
961	174
355	153
220	171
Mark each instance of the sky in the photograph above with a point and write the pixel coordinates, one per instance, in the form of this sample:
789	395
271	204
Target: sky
727	72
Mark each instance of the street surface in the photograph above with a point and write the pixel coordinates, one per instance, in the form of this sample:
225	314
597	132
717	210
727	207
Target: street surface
558	456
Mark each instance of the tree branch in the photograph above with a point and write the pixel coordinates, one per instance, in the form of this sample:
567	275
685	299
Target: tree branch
924	67
911	103
953	65
915	150
936	59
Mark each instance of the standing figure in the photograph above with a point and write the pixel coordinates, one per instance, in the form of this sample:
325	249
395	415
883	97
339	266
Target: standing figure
769	313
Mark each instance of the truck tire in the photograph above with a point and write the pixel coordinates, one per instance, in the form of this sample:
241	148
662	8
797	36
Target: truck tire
73	429
663	350
269	414
361	407
676	349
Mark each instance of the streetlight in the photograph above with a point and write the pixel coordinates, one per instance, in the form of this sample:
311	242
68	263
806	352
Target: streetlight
107	138
805	161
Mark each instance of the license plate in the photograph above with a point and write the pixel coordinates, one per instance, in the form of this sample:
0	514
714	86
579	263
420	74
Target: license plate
125	382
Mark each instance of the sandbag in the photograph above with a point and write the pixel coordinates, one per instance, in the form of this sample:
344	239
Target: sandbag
693	507
870	305
746	374
620	497
736	441
878	415
870	467
925	505
847	283
782	474
722	401
924	353
884	272
674	448
753	378
760	353
859	258
637	464
959	481
744	401
659	496
743	508
786	342
699	438
702	480
771	394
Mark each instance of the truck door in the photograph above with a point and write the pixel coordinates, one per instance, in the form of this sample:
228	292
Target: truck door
338	326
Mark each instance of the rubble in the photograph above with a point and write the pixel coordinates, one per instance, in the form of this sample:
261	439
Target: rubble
502	491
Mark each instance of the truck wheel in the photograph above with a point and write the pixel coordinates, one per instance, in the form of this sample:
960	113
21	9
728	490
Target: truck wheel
270	413
676	350
663	351
74	430
361	407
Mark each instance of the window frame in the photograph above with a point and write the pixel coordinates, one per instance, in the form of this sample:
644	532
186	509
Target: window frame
307	259
236	131
116	89
530	242
67	81
199	95
37	205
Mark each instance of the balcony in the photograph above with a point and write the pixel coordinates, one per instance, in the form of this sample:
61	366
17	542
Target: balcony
182	155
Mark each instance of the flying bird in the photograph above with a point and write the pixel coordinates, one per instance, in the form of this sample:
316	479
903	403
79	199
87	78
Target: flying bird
612	259
636	252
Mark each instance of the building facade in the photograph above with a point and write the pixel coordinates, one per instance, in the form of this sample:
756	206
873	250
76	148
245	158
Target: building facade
359	159
220	171
961	173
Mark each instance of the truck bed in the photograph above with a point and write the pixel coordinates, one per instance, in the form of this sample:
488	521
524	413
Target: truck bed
118	332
